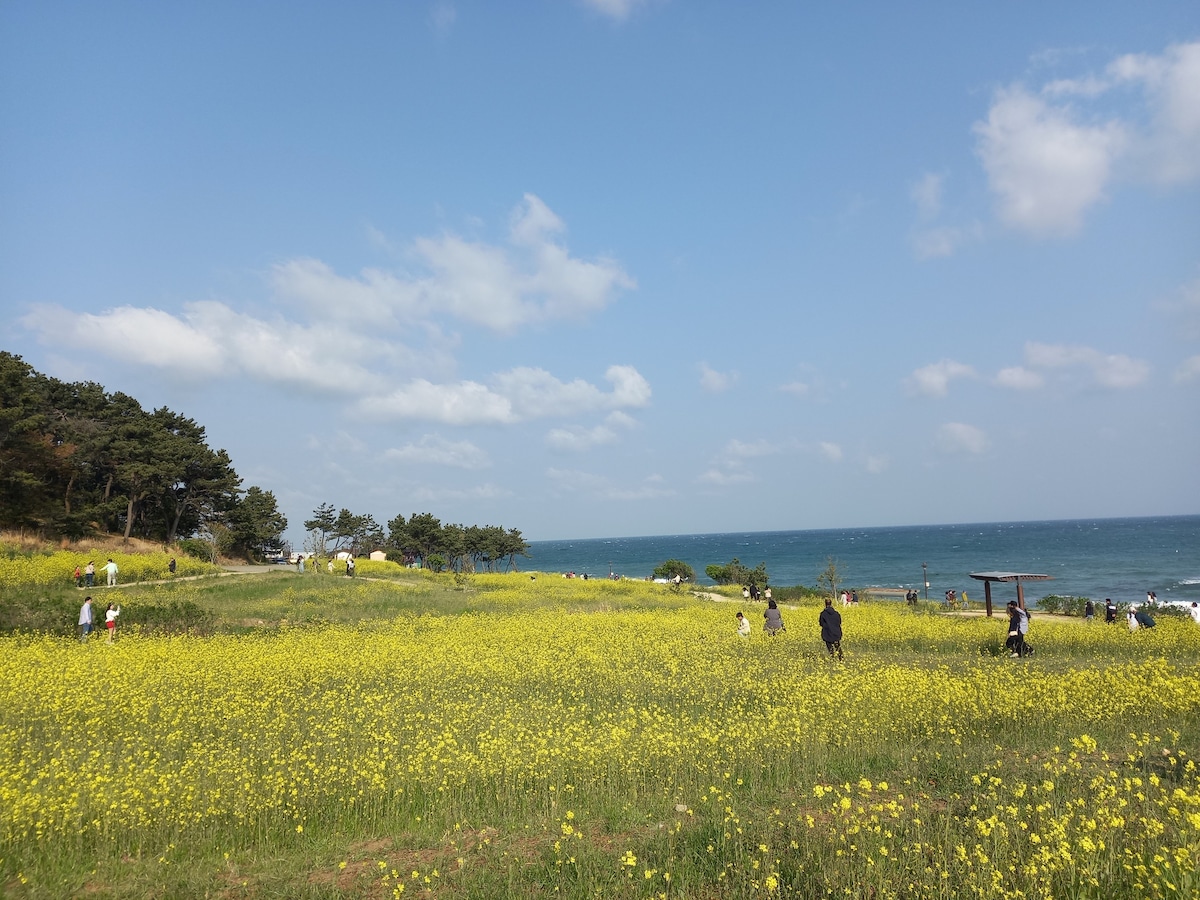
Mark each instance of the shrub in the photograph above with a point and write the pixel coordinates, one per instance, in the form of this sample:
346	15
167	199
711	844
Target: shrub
1067	605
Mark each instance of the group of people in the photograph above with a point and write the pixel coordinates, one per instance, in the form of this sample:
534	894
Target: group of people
85	619
87	576
830	621
751	592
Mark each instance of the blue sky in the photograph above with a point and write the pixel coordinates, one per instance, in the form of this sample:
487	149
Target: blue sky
614	267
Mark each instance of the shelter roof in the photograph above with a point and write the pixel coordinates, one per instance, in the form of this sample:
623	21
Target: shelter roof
1009	576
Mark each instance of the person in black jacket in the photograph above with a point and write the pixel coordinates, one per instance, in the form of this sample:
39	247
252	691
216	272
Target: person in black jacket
831	629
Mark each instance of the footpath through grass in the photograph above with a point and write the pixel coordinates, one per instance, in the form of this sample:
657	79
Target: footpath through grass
535	736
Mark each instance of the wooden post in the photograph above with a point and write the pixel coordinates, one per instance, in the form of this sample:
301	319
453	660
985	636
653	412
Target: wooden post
1020	595
987	598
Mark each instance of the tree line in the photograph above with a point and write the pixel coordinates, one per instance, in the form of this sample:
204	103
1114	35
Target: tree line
76	460
421	539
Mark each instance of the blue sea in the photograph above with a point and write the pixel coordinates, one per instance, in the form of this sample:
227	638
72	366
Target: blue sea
1097	558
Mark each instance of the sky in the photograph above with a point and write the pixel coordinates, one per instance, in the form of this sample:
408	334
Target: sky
594	268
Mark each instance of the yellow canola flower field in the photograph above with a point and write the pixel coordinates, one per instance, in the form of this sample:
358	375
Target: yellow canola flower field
51	569
508	717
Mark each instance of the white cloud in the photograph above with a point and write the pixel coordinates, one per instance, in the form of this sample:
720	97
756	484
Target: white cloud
535	393
875	465
799	388
1019	378
724	477
209	340
1186	307
517	395
1188	371
715	382
437	494
1170	147
934	380
926	193
617	10
831	451
346	335
464	403
736	449
436	450
1050	157
579	437
442	16
958	437
577	482
1045	168
942	241
1108	370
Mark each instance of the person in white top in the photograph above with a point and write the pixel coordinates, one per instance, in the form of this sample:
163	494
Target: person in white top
1194	612
110	620
743	626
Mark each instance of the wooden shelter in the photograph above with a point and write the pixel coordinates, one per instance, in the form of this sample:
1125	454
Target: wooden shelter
988	577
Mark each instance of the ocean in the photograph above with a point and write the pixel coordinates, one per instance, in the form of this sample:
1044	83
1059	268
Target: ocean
1097	558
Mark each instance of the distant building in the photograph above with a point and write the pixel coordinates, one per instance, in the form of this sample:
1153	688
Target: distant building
378	555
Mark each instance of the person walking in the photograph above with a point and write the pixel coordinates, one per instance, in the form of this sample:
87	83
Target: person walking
1194	612
78	577
110	621
110	569
1110	611
89	574
774	619
831	629
1016	630
85	619
350	567
171	566
1089	612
